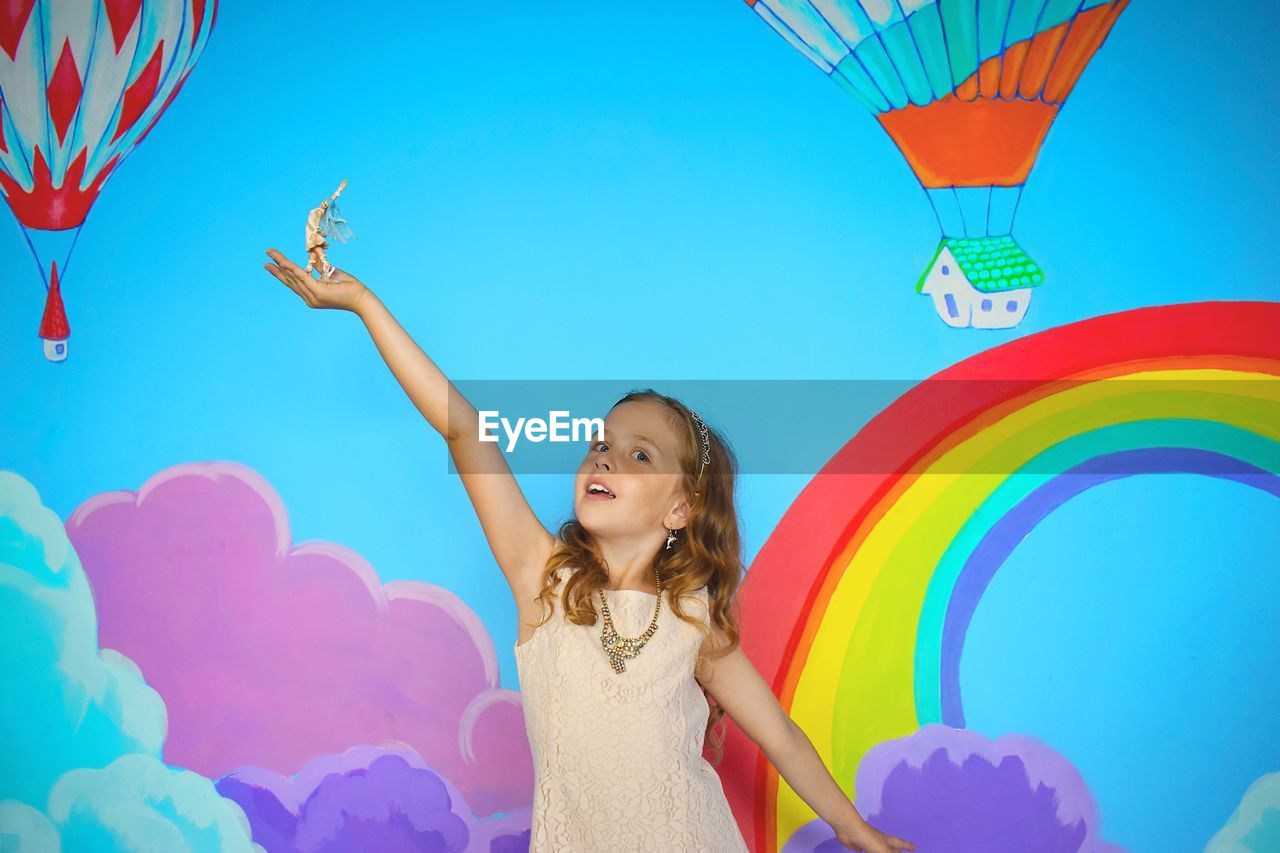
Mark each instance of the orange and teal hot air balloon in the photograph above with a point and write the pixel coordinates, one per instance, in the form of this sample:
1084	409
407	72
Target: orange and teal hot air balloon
82	82
967	89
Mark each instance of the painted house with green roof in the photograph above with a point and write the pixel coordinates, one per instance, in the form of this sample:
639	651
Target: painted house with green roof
980	282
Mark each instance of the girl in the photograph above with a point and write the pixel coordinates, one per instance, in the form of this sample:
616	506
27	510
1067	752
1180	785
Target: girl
615	700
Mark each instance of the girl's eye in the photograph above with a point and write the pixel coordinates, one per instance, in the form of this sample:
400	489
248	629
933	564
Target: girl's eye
644	457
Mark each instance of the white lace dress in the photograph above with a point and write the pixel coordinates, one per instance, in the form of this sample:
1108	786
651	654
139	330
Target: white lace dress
617	757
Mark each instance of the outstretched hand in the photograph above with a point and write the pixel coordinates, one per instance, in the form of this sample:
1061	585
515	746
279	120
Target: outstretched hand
339	291
867	839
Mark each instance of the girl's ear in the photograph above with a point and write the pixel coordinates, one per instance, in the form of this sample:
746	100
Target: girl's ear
679	516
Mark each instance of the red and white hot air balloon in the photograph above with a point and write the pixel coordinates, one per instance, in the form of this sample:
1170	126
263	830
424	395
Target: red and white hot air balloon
82	82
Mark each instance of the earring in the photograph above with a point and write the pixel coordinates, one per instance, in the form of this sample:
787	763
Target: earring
671	537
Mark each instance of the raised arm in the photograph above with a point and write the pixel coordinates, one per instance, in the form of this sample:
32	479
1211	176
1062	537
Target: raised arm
519	542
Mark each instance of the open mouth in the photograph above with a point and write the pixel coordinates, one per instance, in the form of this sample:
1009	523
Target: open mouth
599	491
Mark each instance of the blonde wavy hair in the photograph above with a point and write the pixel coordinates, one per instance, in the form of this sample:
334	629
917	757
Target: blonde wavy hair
707	552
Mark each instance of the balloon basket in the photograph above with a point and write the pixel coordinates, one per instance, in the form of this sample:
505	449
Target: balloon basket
980	282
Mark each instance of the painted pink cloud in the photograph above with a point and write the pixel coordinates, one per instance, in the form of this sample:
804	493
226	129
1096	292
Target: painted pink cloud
268	653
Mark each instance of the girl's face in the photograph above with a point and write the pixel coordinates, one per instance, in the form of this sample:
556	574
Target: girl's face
637	463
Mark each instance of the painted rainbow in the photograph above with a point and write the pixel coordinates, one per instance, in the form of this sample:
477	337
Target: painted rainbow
867	586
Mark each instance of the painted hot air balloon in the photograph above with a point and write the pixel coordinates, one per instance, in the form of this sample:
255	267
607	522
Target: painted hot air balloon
82	82
967	89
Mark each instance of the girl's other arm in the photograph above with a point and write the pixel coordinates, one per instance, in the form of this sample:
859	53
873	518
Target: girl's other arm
519	542
746	698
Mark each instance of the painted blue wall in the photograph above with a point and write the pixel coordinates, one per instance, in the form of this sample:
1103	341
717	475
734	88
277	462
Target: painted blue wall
694	191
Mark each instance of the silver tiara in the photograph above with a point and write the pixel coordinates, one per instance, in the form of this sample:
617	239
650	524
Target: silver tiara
706	442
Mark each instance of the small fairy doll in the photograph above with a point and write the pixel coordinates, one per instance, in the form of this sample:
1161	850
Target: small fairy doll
325	223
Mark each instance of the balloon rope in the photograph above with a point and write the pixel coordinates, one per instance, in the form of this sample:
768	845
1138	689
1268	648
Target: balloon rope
66	259
936	213
34	255
964	225
1016	201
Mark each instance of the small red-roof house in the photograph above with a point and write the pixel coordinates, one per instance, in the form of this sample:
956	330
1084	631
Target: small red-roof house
53	325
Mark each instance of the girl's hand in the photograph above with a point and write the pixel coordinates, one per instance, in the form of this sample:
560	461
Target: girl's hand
867	839
340	291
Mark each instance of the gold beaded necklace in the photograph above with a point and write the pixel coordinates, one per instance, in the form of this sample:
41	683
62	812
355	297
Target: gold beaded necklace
622	649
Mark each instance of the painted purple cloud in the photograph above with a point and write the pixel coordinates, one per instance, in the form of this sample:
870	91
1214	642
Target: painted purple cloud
368	799
957	791
268	652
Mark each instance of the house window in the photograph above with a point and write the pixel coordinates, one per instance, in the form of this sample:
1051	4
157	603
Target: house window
946	270
951	305
1011	306
986	305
